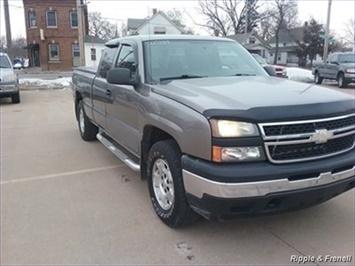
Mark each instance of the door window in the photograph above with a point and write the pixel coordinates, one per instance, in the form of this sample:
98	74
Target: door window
126	59
106	61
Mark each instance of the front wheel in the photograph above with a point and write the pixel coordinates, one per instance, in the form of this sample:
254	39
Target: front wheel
87	129
166	186
341	81
16	97
318	79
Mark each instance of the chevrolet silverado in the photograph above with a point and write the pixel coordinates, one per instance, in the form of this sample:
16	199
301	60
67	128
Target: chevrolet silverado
211	131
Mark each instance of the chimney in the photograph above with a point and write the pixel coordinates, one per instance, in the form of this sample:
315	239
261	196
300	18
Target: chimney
155	11
306	23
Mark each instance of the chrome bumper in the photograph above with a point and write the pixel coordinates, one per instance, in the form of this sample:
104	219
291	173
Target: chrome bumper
197	185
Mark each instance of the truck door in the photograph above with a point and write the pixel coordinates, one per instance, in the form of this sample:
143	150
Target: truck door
122	111
101	96
333	66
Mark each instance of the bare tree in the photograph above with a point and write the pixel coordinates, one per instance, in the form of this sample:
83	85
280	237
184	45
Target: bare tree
349	32
177	17
283	15
229	16
18	46
101	27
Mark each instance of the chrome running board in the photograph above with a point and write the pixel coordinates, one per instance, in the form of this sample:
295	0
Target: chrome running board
119	153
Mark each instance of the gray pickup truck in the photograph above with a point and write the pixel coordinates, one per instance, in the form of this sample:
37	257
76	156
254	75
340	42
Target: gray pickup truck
339	67
212	132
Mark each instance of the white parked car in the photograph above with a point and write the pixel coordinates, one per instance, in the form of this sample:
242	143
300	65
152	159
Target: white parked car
9	85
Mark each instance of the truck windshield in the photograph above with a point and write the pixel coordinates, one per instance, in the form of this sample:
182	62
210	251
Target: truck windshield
347	58
4	62
166	60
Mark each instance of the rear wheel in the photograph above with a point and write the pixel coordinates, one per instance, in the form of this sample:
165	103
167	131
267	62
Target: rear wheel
166	186
318	79
87	129
15	98
341	81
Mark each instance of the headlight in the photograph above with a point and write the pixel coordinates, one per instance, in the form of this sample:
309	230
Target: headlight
8	78
236	154
230	129
350	70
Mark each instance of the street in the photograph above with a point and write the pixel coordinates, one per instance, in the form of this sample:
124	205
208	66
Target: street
67	201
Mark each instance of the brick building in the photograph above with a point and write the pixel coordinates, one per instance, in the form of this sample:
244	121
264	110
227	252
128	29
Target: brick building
52	33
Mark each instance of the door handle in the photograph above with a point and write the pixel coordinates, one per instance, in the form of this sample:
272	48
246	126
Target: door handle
108	92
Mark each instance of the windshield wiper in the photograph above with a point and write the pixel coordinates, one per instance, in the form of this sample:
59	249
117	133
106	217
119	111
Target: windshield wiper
243	74
184	76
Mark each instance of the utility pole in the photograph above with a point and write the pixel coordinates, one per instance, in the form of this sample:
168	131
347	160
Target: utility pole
326	39
81	29
246	21
8	29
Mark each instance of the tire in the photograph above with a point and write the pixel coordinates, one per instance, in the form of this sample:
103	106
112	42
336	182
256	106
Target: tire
88	130
318	79
16	97
341	81
166	186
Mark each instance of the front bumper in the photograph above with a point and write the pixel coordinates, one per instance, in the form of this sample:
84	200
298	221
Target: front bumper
350	77
223	191
8	90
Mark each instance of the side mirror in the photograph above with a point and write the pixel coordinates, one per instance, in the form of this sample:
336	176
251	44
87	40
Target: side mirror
121	76
270	70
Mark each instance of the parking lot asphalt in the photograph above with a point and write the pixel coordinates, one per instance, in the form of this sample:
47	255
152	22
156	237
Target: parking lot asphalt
66	201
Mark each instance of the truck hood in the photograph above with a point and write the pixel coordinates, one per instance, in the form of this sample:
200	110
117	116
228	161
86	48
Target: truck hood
256	98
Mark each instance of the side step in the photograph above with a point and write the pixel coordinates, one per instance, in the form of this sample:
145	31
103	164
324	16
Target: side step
119	153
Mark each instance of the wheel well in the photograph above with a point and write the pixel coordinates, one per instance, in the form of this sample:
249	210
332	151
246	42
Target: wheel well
340	72
78	98
151	135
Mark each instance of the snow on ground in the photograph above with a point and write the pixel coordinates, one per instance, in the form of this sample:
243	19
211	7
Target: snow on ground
299	74
52	83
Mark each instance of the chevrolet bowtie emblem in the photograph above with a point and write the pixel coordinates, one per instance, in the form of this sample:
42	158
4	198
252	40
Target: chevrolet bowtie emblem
321	136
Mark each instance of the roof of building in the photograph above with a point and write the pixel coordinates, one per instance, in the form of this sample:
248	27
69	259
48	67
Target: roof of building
132	23
93	39
135	23
289	35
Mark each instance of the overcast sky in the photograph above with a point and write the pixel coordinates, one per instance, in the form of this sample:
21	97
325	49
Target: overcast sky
118	11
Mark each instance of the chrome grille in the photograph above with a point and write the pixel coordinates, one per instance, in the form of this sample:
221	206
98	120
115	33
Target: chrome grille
296	141
300	128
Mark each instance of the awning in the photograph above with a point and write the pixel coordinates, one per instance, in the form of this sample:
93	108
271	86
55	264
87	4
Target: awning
32	46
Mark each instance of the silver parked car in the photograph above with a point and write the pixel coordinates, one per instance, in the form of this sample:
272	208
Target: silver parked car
9	85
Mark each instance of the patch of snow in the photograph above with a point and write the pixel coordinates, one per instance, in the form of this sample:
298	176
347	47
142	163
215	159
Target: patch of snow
53	83
300	74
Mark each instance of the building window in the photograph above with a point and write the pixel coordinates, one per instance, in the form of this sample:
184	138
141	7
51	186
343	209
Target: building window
76	50
159	30
74	19
252	40
51	19
53	52
32	19
284	44
93	54
76	54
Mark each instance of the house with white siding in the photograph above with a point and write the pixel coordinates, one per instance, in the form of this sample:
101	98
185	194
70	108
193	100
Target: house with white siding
93	47
159	23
